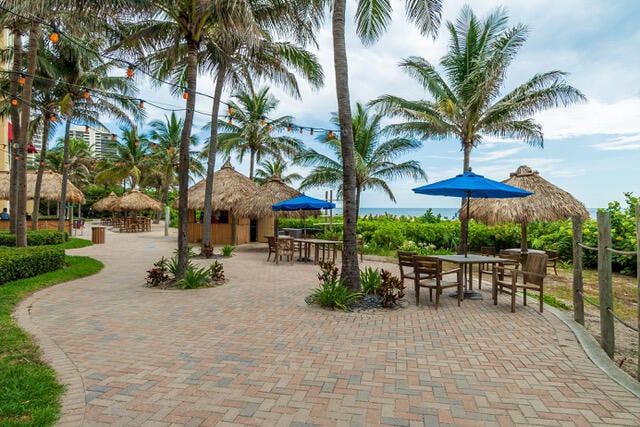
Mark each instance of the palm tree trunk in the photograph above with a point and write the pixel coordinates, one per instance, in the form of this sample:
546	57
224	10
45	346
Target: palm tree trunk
15	123
211	159
252	162
65	167
21	223
350	268
43	157
183	180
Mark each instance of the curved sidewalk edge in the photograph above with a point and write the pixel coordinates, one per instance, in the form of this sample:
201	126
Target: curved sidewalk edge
597	355
73	403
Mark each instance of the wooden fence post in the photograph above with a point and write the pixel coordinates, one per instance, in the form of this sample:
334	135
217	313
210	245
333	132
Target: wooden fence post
607	332
638	279
578	303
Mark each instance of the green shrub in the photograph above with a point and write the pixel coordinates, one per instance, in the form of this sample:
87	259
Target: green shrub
332	292
36	238
20	263
194	277
228	250
370	280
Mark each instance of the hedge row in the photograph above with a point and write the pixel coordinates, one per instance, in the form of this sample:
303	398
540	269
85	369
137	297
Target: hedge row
19	263
36	238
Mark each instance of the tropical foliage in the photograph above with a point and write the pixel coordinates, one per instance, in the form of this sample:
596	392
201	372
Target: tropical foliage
374	158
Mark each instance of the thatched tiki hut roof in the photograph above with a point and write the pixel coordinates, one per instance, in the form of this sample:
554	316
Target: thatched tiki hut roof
229	189
548	203
109	203
51	187
258	205
136	200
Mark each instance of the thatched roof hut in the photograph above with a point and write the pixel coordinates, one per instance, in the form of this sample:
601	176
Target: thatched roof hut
548	203
135	200
51	187
258	205
229	189
109	203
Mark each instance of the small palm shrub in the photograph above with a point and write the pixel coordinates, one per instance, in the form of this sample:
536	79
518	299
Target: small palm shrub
332	292
370	280
194	277
158	274
228	250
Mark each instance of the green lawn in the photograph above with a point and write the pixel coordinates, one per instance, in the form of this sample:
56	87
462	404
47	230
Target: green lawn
29	389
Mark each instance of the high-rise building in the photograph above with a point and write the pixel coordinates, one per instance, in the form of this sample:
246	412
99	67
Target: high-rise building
100	141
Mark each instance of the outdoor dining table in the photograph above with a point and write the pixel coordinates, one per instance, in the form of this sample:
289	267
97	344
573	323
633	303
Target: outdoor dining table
466	263
327	246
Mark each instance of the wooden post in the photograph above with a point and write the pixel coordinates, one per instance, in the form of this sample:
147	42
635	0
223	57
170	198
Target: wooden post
578	302
607	334
638	280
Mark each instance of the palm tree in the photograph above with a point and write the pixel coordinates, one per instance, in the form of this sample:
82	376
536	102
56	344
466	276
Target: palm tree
269	168
128	162
164	170
374	158
469	106
79	162
248	131
372	18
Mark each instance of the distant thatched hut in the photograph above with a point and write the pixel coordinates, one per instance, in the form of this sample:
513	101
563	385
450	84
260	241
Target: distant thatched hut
229	189
547	203
258	206
136	200
109	203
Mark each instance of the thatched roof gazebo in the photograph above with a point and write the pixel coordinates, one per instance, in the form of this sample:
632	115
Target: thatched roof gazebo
229	188
109	203
51	188
135	200
548	203
258	205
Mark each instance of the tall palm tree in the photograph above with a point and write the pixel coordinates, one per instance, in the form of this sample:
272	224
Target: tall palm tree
374	158
164	166
249	132
372	18
466	100
268	168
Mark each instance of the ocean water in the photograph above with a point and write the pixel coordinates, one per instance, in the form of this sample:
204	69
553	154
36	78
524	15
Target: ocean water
446	213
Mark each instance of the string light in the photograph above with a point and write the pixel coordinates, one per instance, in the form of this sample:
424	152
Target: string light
86	94
230	121
86	129
230	111
289	127
14	102
141	104
330	135
185	95
53	118
269	128
54	37
154	146
114	137
311	132
263	121
130	71
136	143
300	131
21	80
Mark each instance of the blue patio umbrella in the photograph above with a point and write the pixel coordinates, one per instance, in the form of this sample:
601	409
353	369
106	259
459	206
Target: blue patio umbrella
470	185
303	203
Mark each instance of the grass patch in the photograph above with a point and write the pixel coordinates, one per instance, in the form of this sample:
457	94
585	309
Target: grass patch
75	243
30	391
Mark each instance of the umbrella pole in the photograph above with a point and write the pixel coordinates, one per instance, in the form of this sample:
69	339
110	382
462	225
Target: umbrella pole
466	240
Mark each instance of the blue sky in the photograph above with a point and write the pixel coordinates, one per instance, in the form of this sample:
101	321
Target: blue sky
591	150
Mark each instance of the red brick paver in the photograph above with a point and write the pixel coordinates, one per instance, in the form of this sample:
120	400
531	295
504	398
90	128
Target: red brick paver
251	352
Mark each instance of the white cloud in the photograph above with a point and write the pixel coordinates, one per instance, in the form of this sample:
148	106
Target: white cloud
622	143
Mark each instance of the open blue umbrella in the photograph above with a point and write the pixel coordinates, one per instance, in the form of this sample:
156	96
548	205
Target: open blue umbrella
303	203
471	185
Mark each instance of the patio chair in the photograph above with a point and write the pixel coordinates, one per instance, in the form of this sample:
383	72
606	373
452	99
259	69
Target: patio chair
284	247
360	247
532	279
553	259
486	267
271	241
405	263
429	274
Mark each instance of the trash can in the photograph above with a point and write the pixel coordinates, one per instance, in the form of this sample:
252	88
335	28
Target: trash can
97	234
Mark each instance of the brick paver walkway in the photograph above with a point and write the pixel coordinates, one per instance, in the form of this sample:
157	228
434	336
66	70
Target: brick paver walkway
252	352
